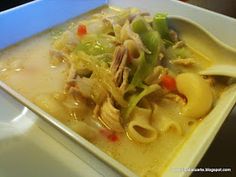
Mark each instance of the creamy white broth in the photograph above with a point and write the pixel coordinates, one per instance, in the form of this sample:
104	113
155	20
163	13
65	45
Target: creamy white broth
27	68
30	63
37	77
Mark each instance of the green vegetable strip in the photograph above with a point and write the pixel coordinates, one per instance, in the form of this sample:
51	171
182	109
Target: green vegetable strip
151	39
138	75
174	53
140	26
136	98
160	24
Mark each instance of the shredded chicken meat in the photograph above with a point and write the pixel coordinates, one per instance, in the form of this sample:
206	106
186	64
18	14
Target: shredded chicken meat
118	64
184	61
71	78
179	44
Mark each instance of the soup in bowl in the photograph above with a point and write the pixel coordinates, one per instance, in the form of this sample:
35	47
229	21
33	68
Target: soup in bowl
120	78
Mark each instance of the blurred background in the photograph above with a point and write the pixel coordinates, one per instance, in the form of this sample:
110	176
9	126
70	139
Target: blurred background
227	7
7	4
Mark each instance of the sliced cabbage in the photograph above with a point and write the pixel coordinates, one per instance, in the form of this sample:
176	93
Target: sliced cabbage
97	45
101	72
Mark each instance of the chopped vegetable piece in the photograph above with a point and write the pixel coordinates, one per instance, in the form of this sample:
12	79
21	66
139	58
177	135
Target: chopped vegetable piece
134	100
93	44
82	30
174	53
140	26
81	60
113	137
160	24
109	135
151	39
168	82
140	70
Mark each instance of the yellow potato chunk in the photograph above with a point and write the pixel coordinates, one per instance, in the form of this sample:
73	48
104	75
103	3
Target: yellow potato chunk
198	93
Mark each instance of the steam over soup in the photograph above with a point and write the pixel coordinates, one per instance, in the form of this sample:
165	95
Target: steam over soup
121	79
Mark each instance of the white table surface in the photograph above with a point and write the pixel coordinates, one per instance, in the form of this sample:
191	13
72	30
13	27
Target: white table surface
27	151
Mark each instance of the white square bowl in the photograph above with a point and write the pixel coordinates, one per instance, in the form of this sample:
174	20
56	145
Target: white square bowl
193	149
